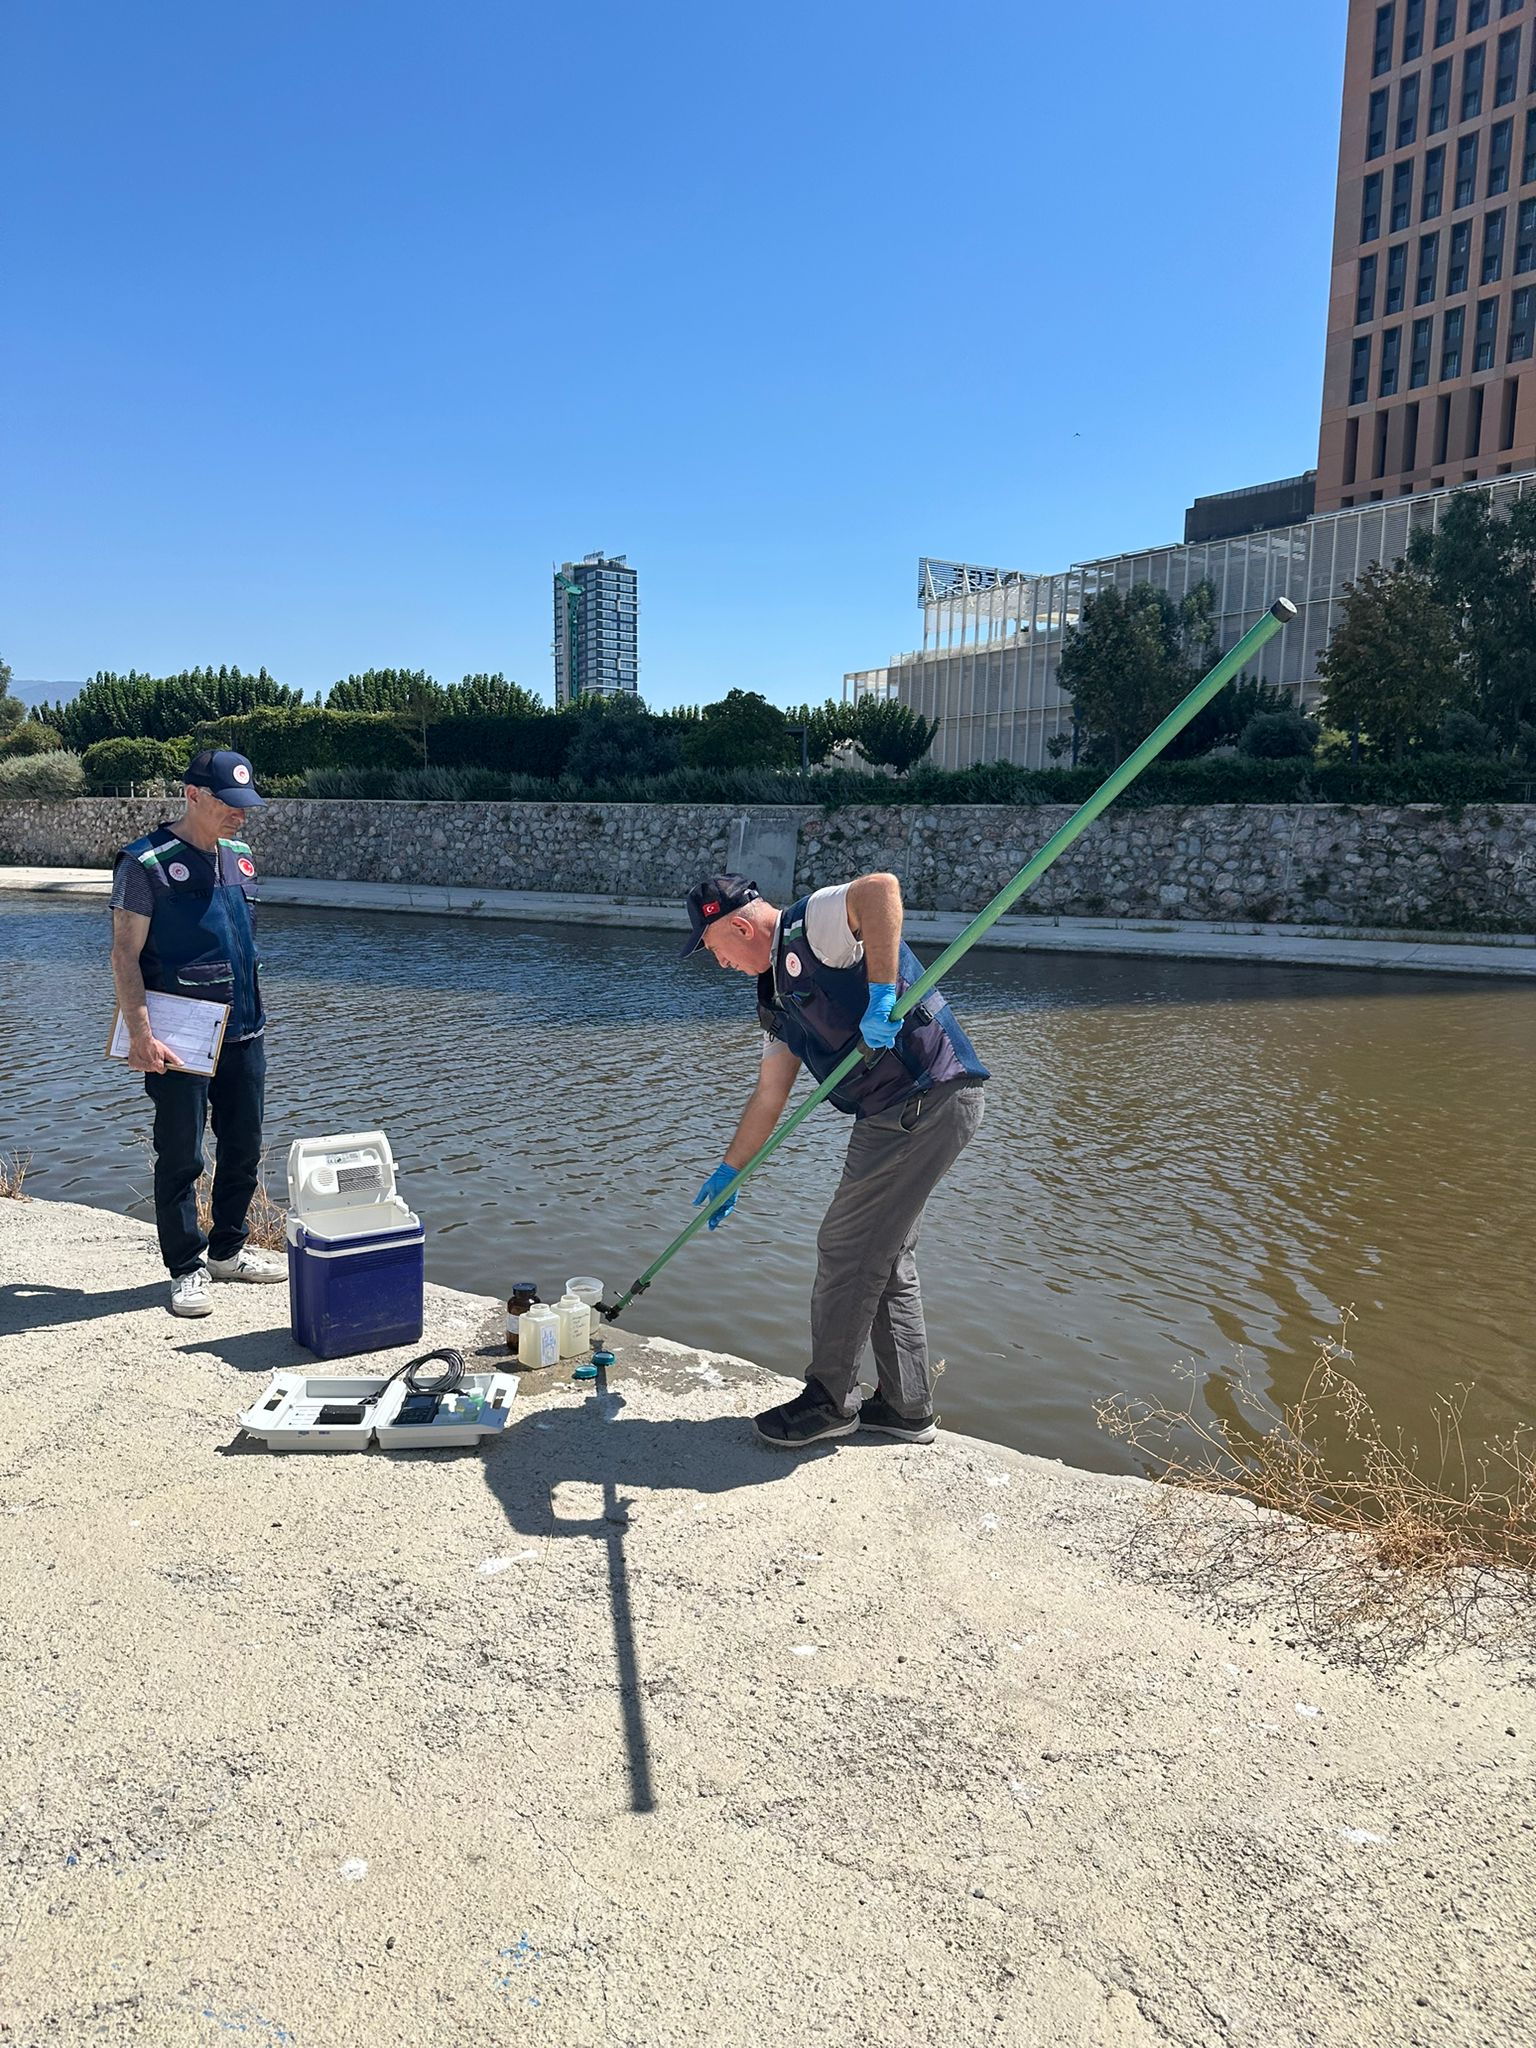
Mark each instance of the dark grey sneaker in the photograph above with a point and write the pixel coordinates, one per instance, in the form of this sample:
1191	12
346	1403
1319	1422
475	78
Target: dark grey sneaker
878	1414
809	1419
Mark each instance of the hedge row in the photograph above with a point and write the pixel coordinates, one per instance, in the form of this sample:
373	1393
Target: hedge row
1425	778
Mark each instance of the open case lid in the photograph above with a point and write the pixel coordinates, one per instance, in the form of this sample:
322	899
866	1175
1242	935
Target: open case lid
350	1171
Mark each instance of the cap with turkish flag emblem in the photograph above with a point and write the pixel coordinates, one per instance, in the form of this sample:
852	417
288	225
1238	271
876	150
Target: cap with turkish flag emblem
716	896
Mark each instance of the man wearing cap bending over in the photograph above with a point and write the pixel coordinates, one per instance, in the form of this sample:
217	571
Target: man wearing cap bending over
829	971
183	900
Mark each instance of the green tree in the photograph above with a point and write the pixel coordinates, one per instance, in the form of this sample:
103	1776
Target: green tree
891	734
615	739
1393	668
29	738
825	725
397	690
742	730
1481	567
12	710
1279	736
138	706
483	696
1130	659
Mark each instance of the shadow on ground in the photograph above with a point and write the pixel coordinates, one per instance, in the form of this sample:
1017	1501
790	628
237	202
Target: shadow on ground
26	1307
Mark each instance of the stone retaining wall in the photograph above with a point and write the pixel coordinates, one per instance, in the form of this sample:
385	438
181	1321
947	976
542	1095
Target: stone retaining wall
1418	867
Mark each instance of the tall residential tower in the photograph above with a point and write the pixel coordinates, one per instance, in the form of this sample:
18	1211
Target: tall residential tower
597	608
1428	380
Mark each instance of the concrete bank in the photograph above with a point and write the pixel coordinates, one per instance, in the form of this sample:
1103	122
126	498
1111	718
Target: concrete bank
1284	945
629	1730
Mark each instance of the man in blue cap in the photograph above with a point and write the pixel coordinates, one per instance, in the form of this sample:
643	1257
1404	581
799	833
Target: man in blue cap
829	971
183	903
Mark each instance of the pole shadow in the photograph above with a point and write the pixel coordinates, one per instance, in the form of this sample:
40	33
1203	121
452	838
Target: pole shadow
594	1444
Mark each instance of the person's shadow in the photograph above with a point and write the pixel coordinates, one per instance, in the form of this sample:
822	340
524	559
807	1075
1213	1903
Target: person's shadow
25	1305
595	1443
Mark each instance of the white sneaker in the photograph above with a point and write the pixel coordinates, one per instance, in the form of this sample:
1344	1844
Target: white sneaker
190	1293
248	1265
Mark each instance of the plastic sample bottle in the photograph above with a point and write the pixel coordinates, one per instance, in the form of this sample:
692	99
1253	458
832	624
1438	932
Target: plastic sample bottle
575	1326
538	1336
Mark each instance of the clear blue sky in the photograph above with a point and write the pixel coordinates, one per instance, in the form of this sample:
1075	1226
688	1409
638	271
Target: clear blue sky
329	327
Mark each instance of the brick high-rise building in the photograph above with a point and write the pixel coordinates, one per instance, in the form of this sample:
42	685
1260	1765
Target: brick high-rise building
1429	380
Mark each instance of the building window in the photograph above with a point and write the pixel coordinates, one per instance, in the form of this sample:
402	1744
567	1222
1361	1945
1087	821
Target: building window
1445	21
1402	195
1418	360
1408	112
1528	161
1486	334
1501	143
1434	184
1450	347
1376	127
1511	6
1381	56
1370	208
1506	82
1413	30
1429	269
1440	96
1360	371
1521	305
1525	233
1460	259
1391	350
1466	170
1397	278
1493	247
1477	14
1472	82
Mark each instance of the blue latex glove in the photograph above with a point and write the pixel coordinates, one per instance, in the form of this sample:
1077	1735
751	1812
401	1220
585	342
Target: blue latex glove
878	1028
721	1177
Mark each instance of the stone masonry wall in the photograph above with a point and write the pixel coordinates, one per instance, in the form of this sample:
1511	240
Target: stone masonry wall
1414	866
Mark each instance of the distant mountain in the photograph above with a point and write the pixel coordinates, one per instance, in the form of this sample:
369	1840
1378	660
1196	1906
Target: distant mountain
33	692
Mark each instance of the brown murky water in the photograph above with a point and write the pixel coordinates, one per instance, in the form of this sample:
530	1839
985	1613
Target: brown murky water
1180	1161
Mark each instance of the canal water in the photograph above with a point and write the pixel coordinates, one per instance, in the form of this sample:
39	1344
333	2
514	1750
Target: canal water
1185	1167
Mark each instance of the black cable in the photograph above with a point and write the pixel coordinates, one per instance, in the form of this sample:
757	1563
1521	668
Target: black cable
447	1382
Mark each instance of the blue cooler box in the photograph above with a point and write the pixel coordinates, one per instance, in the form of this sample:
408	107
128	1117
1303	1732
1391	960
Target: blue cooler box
361	1292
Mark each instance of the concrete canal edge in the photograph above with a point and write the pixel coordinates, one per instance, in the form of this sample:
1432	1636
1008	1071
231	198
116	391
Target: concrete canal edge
1504	955
629	1729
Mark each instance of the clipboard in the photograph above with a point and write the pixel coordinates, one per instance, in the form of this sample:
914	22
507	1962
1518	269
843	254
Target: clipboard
192	1030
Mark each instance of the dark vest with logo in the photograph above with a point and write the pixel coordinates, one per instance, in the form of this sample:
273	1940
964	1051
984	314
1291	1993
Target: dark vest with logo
816	1010
202	939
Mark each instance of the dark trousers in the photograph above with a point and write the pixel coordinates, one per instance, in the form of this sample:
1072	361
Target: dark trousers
234	1095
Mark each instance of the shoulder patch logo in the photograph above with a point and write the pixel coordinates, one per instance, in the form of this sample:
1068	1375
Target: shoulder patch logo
179	871
793	964
247	867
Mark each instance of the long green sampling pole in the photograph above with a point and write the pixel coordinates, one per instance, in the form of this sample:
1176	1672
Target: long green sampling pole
1280	613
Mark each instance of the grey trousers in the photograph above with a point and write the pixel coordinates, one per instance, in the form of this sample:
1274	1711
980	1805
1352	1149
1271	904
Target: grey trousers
866	1272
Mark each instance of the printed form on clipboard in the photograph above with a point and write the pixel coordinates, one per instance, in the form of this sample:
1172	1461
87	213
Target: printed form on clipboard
192	1030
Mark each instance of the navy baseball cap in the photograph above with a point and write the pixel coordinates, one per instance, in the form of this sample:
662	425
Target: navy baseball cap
227	774
716	896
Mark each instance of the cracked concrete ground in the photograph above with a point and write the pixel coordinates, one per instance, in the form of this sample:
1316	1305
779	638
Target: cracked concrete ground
631	1731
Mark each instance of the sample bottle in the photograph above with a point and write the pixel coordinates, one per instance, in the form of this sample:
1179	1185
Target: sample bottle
524	1294
538	1336
575	1326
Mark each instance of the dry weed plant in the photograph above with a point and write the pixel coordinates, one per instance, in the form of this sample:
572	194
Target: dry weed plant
1377	1548
14	1168
266	1220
